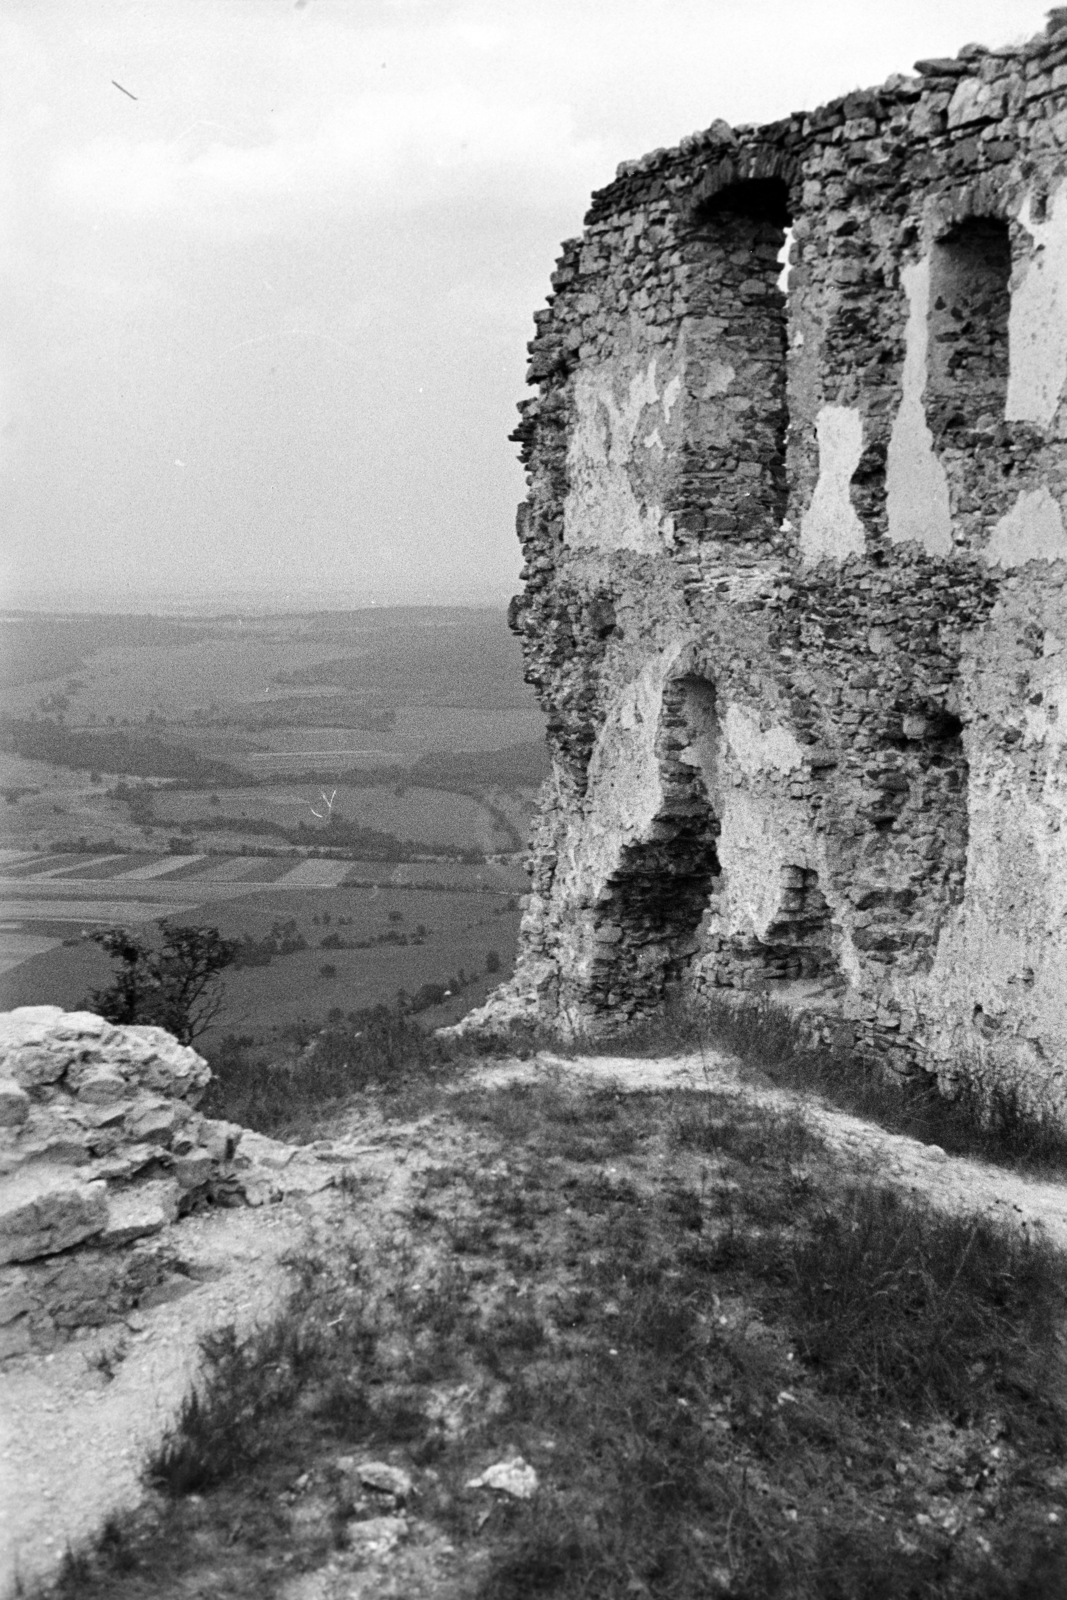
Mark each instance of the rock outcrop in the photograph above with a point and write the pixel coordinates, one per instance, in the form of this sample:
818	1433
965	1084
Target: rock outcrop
794	583
102	1151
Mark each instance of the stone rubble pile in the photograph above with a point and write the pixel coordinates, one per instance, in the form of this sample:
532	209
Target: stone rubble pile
102	1151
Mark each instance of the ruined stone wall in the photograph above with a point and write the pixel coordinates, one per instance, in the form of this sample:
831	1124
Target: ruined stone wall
794	575
102	1152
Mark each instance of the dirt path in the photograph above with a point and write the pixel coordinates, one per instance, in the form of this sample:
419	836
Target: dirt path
77	1425
73	1440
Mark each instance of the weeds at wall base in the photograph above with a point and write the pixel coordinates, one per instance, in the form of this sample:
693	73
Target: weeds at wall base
1000	1125
386	1049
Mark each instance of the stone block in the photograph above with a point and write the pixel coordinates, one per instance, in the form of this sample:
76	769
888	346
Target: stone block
14	1103
164	1064
15	1297
15	1339
975	101
153	1121
34	1065
101	1086
385	1479
141	1210
53	1133
193	1170
126	1161
514	1478
83	1291
44	1210
81	1025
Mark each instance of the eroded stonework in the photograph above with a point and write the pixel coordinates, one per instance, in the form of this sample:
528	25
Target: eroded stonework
794	575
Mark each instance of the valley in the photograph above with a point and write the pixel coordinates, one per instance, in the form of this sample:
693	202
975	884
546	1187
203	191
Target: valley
365	778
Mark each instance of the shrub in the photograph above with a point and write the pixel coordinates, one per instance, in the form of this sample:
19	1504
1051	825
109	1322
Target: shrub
174	985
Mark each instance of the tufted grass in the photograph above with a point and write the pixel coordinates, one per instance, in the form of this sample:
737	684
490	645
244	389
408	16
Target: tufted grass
736	1372
291	1088
1001	1124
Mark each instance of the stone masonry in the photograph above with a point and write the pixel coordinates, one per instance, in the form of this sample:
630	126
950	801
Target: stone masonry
794	583
102	1153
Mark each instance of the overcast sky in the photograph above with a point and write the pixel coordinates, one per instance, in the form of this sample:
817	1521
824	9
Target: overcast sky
264	324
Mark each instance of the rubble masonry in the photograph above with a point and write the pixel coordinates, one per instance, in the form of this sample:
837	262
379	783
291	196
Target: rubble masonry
794	576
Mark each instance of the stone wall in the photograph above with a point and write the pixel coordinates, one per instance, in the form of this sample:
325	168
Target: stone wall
102	1153
794	575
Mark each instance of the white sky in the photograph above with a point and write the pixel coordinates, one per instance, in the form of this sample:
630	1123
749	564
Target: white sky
265	325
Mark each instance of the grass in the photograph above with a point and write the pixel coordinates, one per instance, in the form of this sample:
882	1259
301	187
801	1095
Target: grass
291	1088
1001	1124
734	1371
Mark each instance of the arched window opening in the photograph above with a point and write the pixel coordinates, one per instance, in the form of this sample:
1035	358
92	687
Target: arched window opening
733	488
761	199
659	890
970	298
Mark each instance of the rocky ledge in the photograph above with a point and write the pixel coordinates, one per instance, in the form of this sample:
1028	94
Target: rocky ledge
102	1152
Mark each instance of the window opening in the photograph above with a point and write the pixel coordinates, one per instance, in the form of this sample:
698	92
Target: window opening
733	487
659	890
970	298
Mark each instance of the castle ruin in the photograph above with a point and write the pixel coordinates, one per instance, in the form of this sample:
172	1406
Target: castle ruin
794	584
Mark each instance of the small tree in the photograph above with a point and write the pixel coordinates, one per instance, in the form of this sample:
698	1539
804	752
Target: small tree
174	985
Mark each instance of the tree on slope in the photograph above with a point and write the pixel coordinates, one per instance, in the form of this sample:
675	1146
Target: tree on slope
175	985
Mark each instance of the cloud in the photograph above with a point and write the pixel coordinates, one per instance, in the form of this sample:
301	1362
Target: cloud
242	121
9	431
404	149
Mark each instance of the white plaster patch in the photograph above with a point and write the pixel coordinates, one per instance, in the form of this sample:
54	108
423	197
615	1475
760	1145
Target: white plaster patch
917	500
754	750
625	791
1046	724
1004	948
1037	322
603	509
670	396
1031	531
759	836
831	527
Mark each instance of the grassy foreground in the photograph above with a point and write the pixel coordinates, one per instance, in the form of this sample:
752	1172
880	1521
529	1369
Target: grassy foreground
736	1370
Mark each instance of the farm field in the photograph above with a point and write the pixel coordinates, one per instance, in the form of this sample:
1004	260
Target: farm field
367	778
416	729
223	669
435	816
230	732
384	930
